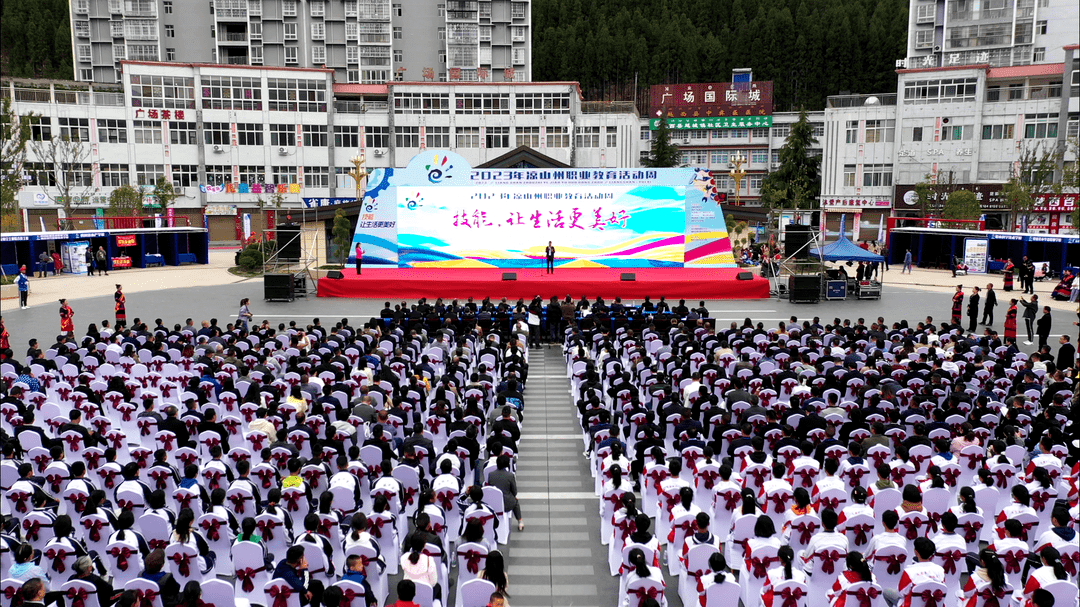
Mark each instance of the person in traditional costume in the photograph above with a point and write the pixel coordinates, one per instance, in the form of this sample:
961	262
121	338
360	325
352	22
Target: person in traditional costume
1063	290
120	307
1008	270
958	304
1010	321
67	324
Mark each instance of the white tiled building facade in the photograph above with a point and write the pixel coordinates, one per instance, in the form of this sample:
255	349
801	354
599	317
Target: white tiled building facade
362	41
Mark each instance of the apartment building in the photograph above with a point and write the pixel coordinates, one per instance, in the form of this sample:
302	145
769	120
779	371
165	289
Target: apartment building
361	41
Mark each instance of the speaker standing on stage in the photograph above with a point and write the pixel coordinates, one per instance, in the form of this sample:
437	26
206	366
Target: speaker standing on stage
549	254
359	256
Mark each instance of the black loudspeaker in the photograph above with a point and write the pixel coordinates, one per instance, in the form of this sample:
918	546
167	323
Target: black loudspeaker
795	240
628	276
804	288
288	241
335	274
744	276
509	275
278	287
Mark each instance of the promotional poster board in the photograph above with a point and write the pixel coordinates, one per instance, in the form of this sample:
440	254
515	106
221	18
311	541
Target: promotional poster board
976	251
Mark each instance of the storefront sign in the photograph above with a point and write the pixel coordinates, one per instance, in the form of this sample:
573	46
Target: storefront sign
125	240
315	203
832	203
156	114
121	262
934	152
991	197
711	99
731	122
220	209
251	188
1056	203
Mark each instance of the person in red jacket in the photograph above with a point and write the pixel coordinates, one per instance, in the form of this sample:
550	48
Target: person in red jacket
1010	321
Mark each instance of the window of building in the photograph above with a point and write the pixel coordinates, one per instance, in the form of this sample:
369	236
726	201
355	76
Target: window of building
216	133
185	175
166	7
290	31
440	10
924	38
781	132
318	30
913	133
147	131
398	12
1016	91
852	131
318	54
114	175
849	175
82	29
485	33
956	132
718	158
398	33
318	8
142	52
485	10
997	131
467	137
442	33
316	177
482	103
288	8
517	10
611	136
542	103
352	30
1055	90
148	174
558	136
497	137
315	135
880	131
296	95
421	103
40	128
1040	126
282	135
399	56
256	55
218	174
182	133
86	74
759	156
112	131
377	137
877	175
645	133
759	133
231	93
255	8
527	135
407	136
1039	54
75	129
170	31
945	90
375	56
249	133
170	92
587	136
350	8
252	173
83	52
170	53
284	174
437	137
78	173
39	173
347	136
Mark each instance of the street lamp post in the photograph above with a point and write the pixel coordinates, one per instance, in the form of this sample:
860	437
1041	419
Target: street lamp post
738	173
359	175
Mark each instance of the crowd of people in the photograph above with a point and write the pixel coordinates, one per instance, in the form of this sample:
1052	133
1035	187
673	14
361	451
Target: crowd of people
195	465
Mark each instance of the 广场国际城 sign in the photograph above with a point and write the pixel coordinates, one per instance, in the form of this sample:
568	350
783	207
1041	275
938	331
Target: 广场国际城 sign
711	100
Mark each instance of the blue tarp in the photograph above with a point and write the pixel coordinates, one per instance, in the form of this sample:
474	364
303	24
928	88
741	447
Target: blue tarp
844	250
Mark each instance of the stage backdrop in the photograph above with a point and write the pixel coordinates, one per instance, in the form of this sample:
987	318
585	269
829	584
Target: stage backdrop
440	212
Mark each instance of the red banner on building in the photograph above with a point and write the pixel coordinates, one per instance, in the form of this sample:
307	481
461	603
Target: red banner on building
1056	203
125	240
716	99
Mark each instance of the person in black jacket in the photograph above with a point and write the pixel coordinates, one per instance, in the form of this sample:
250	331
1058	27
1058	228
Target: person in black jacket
989	304
1043	328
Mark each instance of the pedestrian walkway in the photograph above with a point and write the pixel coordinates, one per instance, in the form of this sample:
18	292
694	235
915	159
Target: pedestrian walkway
558	559
942	281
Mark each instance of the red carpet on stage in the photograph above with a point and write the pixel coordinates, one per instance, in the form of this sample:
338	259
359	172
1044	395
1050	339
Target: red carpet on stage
460	283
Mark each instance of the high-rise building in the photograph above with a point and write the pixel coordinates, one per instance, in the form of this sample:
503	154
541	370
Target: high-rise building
362	41
1001	33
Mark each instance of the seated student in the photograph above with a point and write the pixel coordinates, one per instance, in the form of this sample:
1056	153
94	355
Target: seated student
354	572
406	592
922	570
294	570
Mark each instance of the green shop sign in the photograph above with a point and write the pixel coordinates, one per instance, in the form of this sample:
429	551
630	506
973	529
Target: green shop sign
716	122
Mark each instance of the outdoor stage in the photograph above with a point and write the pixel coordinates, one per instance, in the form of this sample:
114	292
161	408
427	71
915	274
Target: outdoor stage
460	283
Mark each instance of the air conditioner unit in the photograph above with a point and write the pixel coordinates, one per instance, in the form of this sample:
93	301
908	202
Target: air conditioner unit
775	165
378	153
219	149
283	151
686	141
937	48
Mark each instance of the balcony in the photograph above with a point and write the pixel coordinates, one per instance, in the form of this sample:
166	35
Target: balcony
839	101
362	107
240	37
87	97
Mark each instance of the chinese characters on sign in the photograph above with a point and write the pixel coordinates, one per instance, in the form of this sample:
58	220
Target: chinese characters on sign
741	122
854	202
252	188
711	100
156	114
576	218
605	176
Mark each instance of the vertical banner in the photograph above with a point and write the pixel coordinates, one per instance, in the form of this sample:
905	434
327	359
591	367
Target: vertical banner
170	216
99	219
246	227
976	251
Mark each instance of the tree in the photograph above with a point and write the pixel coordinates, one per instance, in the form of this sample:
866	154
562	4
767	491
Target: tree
796	183
14	135
664	153
68	158
342	234
126	201
961	204
164	193
931	192
1034	177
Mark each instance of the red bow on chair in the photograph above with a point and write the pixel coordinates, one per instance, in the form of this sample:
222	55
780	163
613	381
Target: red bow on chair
832	503
10	592
292	501
898	475
435	424
697	575
184	500
108	477
472	560
991	597
949	559
266	528
19	498
324	527
147	596
126	504
212	528
615	499
1025	529
43	461
779	503
732	500
375	526
281	595
121	554
828	560
1039	499
641	593
971	531
347	596
33	529
167	442
410	495
92	459
1012	562
78	501
855	477
93	529
1003	476
1069	562
157	544
932	597
860	533
759	476
57	555
806	531
685	526
160	478
708	478
791	596
166	390
265	475
438	528
912	526
761	565
78	596
139	456
865	595
247	577
183	563
895	561
446	499
238	500
74	442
